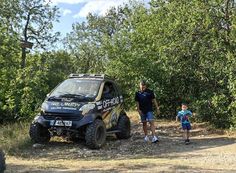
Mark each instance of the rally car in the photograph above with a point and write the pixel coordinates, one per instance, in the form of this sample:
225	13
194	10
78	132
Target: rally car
84	106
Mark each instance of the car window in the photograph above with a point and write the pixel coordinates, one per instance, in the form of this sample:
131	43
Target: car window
109	91
86	88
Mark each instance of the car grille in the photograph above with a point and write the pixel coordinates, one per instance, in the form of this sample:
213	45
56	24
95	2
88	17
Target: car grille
52	116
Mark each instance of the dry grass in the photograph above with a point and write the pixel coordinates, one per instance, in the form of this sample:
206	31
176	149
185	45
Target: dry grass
14	137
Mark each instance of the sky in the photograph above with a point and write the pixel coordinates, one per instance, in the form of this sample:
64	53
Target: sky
72	11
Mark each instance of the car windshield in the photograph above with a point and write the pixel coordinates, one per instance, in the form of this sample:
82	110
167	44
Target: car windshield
77	88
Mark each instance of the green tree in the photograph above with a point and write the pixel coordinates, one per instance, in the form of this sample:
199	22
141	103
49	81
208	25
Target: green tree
36	19
9	51
90	41
183	56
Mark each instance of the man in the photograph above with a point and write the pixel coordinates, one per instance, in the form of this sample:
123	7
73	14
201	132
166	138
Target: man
144	100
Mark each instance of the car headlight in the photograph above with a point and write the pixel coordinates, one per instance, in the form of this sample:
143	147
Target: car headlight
37	118
42	111
86	108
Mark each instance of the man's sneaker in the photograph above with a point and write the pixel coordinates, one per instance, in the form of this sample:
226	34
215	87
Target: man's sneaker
155	139
146	139
187	141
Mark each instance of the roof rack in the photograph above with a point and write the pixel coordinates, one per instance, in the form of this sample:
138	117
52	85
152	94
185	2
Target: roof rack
98	76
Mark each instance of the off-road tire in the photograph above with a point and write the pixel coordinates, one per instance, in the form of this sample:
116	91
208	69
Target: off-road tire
80	136
39	134
73	139
95	135
2	162
123	126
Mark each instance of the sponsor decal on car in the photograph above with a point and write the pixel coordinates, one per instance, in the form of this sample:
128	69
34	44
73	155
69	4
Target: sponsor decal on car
110	102
64	106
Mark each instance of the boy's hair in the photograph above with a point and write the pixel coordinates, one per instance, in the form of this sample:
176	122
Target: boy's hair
184	103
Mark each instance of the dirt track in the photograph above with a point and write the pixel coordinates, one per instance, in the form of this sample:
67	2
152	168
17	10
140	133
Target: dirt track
209	151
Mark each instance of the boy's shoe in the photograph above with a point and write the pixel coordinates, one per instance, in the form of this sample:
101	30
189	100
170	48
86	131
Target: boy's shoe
155	139
146	139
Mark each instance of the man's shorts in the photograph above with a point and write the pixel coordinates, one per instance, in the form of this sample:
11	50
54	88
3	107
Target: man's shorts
147	117
186	126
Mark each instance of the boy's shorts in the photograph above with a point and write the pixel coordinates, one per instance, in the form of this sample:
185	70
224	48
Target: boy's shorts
147	117
186	126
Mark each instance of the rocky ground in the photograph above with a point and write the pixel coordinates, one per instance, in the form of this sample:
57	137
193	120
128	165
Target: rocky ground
210	151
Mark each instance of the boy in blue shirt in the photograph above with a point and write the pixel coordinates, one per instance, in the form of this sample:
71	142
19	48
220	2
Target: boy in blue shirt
184	115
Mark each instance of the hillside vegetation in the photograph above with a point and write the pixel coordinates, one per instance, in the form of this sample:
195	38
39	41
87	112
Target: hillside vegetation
185	50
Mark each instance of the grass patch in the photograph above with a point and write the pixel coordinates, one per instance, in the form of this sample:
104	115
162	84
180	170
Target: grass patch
15	137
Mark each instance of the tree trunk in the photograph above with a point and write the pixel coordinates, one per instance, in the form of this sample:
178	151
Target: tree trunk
23	51
23	58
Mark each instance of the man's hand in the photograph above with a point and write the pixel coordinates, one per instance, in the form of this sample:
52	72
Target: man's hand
139	111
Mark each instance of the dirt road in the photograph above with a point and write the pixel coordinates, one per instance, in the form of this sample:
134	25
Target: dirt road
209	151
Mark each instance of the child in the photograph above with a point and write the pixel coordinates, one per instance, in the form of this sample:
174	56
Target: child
183	115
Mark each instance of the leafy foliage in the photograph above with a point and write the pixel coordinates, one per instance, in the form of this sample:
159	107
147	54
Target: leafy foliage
183	57
185	50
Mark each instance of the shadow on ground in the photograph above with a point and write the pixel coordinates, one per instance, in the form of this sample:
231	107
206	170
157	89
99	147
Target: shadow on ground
135	148
167	168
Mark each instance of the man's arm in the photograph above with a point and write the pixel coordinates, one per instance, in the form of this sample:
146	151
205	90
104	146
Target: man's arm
138	108
137	103
156	105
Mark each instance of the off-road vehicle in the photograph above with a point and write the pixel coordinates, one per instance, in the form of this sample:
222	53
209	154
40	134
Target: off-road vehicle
2	162
82	107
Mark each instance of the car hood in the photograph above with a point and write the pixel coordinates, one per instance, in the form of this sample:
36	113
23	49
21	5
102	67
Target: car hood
62	107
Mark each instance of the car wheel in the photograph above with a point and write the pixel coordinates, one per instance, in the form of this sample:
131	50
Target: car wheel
39	134
2	162
123	126
95	136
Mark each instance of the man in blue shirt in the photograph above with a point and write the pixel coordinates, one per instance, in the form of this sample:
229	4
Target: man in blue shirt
144	101
184	115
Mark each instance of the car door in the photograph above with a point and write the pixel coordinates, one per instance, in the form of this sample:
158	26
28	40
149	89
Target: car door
110	101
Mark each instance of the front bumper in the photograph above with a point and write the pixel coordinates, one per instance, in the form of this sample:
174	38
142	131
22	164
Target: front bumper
76	123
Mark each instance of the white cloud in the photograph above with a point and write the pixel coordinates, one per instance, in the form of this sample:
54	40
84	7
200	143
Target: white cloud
98	6
55	2
64	12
